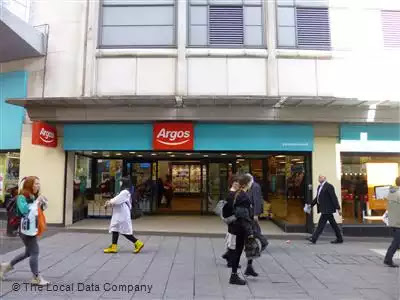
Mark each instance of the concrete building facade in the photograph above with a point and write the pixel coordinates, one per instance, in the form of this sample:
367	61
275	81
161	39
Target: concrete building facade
330	65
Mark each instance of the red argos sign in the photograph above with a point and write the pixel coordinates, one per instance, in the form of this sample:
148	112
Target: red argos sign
173	136
43	134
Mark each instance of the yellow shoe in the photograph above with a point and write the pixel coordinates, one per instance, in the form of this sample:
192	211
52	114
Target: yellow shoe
113	248
138	246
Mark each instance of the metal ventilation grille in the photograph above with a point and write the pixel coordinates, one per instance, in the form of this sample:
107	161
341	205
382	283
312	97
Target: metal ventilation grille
313	28
226	25
391	28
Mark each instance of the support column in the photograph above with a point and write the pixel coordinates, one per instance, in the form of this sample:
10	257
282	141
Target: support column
69	192
270	36
49	165
326	161
180	86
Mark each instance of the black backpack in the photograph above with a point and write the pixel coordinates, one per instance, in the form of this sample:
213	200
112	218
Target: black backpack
136	212
14	219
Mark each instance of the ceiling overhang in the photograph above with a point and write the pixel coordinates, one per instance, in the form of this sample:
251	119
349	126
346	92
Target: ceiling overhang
19	40
209	108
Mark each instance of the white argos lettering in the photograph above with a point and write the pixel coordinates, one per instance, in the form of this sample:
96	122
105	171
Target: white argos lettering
46	136
172	135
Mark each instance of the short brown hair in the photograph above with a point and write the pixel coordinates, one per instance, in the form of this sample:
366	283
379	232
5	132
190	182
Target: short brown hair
398	181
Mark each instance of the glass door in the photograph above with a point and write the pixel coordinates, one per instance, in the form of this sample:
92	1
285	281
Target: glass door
218	175
141	176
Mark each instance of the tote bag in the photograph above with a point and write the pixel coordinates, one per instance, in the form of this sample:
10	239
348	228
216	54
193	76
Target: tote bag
42	227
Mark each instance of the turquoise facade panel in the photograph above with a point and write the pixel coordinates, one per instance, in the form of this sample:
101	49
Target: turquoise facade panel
253	137
12	85
375	132
108	137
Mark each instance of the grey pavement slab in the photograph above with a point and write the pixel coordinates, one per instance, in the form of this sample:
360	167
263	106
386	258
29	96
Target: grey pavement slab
174	267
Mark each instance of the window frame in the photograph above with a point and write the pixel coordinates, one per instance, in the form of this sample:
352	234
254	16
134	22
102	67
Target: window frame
100	44
263	44
296	47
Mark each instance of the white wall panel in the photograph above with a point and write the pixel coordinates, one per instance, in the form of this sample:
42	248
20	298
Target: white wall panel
156	76
367	26
63	75
297	77
116	76
57	11
247	76
207	76
342	29
327	77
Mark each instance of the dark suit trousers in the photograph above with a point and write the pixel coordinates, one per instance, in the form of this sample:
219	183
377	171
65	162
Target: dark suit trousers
394	246
321	225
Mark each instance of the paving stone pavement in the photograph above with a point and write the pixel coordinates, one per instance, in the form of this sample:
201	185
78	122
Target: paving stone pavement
192	268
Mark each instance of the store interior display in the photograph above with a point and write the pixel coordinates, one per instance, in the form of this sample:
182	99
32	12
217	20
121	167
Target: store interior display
82	187
186	178
195	178
198	180
9	174
365	184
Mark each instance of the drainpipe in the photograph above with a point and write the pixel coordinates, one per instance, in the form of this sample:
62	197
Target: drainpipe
85	46
47	32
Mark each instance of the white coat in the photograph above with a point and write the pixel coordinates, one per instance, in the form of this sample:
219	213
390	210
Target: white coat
121	216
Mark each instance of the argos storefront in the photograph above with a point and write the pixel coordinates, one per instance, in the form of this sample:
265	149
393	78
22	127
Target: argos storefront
197	159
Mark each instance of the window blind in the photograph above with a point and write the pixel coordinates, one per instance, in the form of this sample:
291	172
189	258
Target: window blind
391	28
226	25
313	28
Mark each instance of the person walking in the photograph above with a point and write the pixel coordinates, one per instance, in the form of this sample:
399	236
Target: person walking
168	190
242	228
257	202
27	206
327	204
227	212
121	222
12	229
393	215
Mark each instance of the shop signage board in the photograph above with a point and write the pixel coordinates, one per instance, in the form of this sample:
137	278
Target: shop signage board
44	134
177	136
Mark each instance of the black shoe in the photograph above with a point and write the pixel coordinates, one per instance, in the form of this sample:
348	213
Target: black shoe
250	271
391	264
311	240
337	241
235	279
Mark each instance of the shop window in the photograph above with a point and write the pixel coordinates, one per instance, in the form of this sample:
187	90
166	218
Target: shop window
137	23
217	23
83	189
286	178
303	27
108	175
9	175
365	185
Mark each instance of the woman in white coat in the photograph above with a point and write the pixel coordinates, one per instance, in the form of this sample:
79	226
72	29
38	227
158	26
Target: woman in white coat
121	222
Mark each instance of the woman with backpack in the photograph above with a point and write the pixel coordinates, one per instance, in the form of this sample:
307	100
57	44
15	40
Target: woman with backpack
28	203
121	222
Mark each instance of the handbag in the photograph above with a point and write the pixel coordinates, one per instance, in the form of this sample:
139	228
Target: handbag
218	208
42	227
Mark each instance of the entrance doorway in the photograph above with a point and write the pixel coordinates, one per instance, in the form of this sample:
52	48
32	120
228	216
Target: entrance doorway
193	183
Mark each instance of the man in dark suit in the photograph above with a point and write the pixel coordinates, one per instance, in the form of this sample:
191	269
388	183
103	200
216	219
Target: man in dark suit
327	204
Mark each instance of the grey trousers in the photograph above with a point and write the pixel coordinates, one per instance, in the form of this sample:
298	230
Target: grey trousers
393	246
31	251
